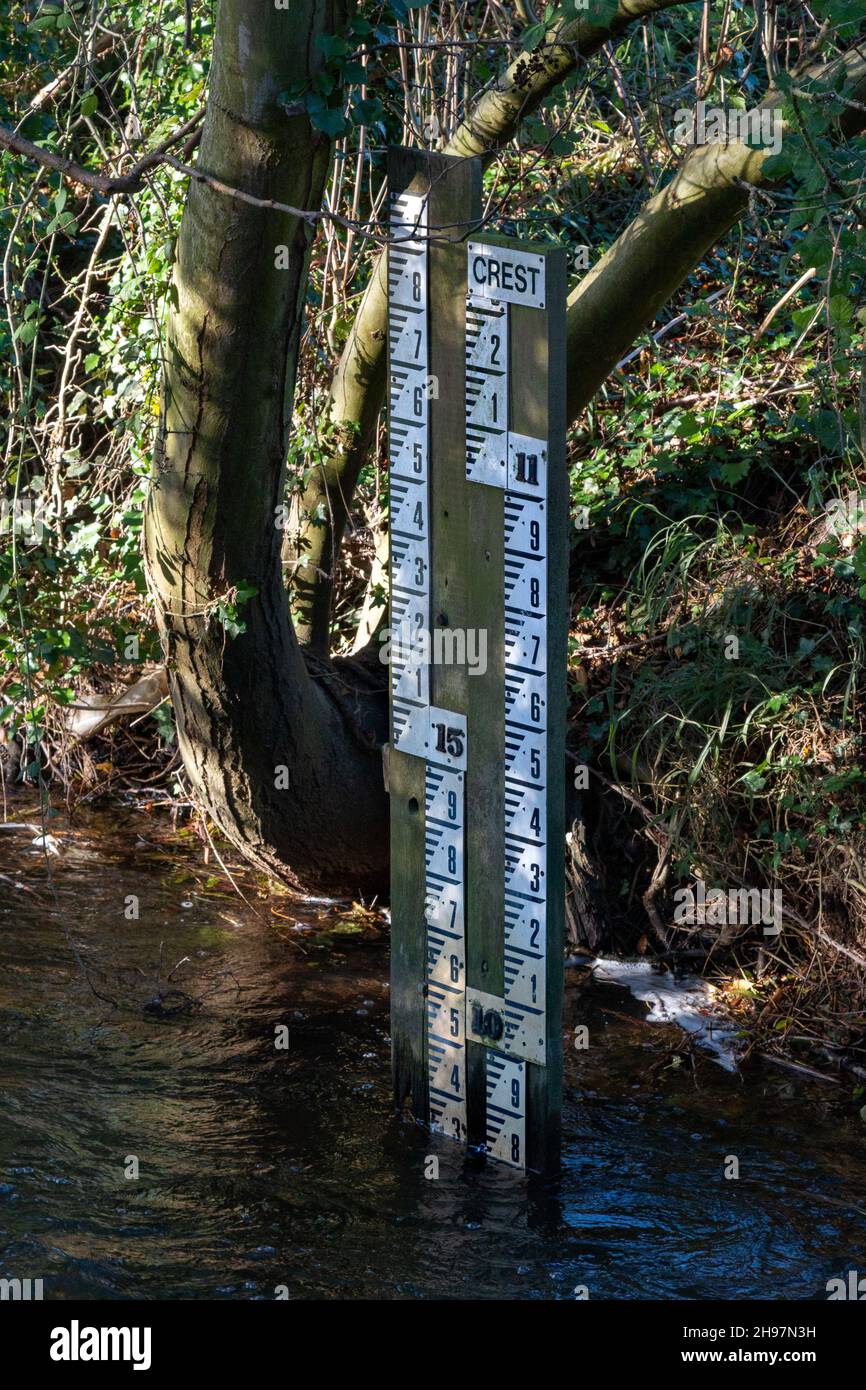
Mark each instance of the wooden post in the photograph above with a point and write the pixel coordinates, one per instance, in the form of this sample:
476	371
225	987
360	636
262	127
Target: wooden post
479	509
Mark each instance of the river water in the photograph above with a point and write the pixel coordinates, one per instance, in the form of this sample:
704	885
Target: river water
262	1169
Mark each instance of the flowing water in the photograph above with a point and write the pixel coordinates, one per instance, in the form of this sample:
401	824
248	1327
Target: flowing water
262	1169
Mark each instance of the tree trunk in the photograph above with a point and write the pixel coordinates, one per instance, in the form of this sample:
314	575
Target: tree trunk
286	758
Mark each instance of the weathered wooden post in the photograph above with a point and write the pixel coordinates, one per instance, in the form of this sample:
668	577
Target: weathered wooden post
479	515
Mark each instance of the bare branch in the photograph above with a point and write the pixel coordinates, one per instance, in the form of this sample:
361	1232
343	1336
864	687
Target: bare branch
129	182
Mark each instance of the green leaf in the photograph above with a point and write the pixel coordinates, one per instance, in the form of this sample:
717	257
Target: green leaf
778	166
754	781
332	45
85	538
324	82
841	309
735	469
531	37
354	72
367	110
329	119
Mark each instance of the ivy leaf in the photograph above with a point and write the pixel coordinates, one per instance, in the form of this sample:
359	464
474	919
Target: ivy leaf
85	538
332	45
329	119
354	72
778	166
324	83
367	110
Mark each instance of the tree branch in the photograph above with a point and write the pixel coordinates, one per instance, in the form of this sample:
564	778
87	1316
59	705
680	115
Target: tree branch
621	295
129	182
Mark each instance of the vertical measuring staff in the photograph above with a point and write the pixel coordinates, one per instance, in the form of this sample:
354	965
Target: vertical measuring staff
444	820
516	360
427	763
537	412
456	187
409	457
409	453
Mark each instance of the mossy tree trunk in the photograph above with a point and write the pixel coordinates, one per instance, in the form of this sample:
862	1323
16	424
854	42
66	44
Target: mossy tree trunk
285	757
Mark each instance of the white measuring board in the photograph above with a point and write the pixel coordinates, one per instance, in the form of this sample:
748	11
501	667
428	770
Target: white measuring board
444	826
486	392
419	729
513	1028
526	703
409	452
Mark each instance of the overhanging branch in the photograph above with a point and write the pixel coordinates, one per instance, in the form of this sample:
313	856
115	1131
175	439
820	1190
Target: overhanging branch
621	295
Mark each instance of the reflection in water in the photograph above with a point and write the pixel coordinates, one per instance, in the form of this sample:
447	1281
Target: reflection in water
260	1168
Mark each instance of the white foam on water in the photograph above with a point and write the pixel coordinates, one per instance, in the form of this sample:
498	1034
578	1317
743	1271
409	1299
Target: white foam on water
688	1002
